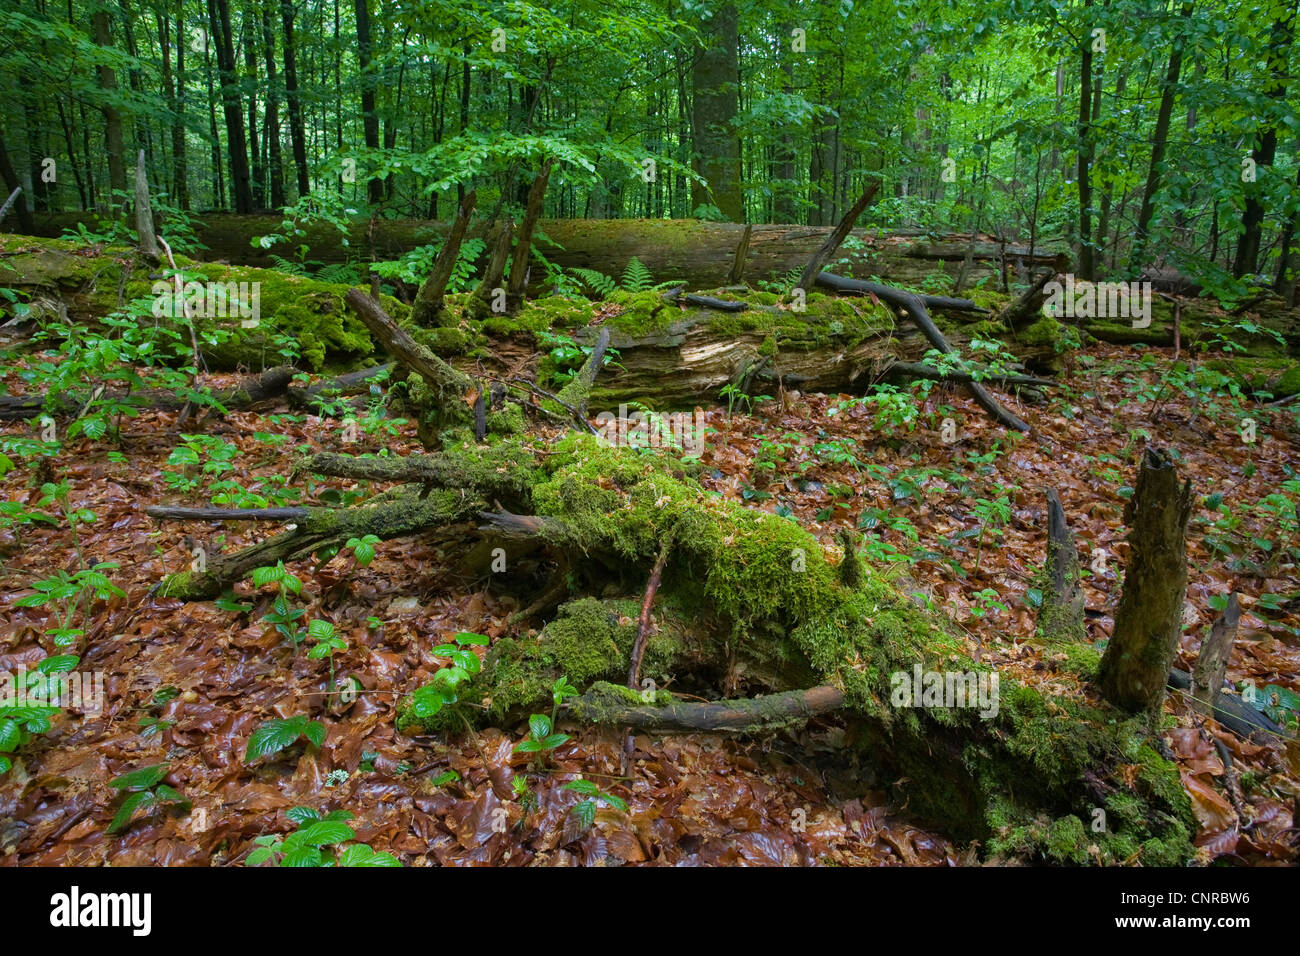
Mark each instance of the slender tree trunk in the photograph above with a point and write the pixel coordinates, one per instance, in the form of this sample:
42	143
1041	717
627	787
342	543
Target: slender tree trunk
173	87
12	182
113	145
1252	220
1087	266
248	30
275	161
296	132
1158	144
214	135
369	117
236	143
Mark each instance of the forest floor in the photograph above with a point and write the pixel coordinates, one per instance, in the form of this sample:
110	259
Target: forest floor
966	519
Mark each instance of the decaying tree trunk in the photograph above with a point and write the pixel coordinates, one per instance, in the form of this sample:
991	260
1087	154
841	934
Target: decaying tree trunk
427	306
1212	661
1061	619
1136	664
270	385
700	254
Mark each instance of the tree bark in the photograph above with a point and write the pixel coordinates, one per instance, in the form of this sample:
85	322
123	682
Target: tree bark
112	117
1149	620
236	142
296	131
714	77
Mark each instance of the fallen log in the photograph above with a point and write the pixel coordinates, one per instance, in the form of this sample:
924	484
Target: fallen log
920	370
605	706
702	254
270	385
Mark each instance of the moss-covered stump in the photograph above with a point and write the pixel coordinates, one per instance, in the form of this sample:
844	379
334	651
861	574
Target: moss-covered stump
751	603
93	281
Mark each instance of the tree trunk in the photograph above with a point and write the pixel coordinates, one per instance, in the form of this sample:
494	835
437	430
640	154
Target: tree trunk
1087	267
714	85
369	118
1149	621
1158	143
112	117
296	131
10	177
275	161
236	143
1252	219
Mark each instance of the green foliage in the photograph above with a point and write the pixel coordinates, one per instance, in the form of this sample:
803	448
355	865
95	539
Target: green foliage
145	793
273	736
441	691
318	841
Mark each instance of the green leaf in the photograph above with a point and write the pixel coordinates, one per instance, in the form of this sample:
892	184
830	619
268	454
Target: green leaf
320	630
551	741
539	725
142	779
10	736
274	736
302	815
59	664
468	637
584	787
585	812
136	801
616	802
315	732
323	833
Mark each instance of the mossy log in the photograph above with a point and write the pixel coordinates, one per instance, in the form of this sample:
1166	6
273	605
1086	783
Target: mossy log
613	706
701	254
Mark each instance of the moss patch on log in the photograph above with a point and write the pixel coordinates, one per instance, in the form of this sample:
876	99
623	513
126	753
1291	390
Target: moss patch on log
95	281
751	589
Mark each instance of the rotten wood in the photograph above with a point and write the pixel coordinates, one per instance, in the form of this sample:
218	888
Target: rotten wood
144	212
1212	661
827	249
749	715
742	249
1061	618
1149	619
524	243
428	301
408	352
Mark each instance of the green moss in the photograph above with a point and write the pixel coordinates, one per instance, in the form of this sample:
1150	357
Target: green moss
1081	660
1046	331
1279	377
445	341
507	420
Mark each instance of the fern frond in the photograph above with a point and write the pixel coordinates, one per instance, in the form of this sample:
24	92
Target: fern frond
636	277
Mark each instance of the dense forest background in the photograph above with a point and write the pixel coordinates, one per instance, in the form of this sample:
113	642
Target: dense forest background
1144	133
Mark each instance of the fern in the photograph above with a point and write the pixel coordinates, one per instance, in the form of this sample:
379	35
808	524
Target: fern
340	272
599	283
636	277
288	265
